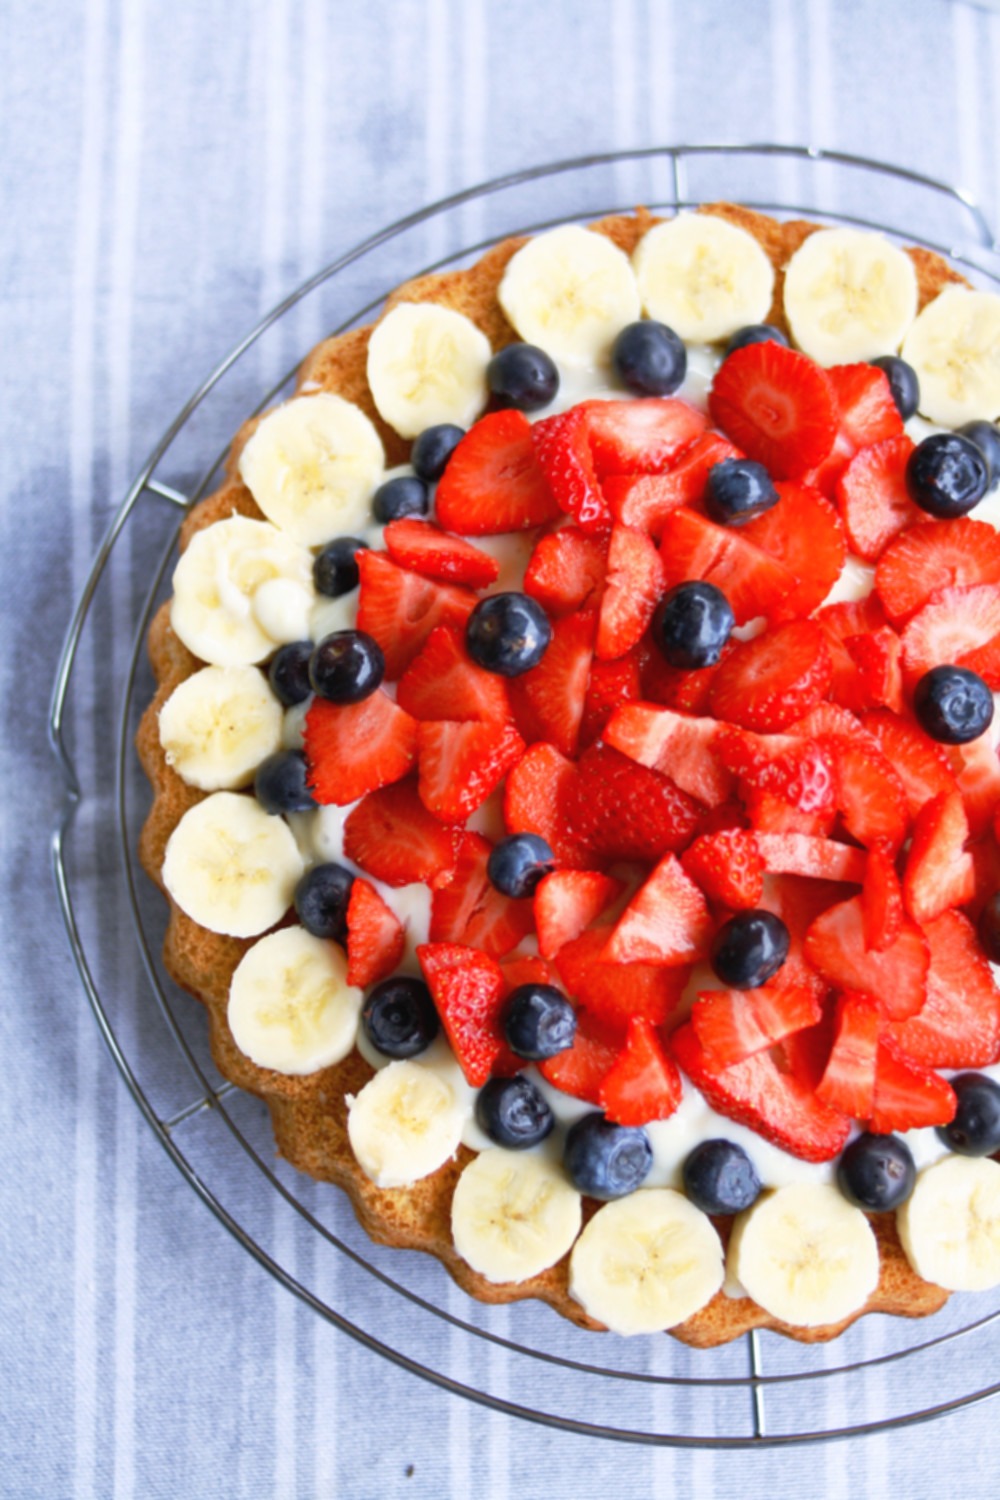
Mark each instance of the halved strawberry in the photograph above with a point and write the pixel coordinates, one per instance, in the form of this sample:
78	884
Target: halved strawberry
896	977
566	571
932	556
375	936
881	898
581	1069
610	685
734	1024
617	809
865	406
727	867
677	745
977	772
642	1083
873	498
468	991
399	609
494	482
645	500
804	532
667	921
778	406
959	1027
633	588
922	766
562	446
772	680
353	748
820	859
391	835
432	553
953	622
791	773
640	437
470	910
566	902
459	764
907	1096
616	992
848	1082
869	793
548	700
535	795
939	873
443	682
752	580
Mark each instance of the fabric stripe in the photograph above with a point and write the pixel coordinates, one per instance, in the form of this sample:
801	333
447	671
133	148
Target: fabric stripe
474	104
625	96
459	1409
660	90
439	76
965	40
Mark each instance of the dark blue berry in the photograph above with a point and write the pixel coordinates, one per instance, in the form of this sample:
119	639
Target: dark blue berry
518	863
605	1160
876	1172
433	448
903	383
288	673
508	634
513	1113
399	1018
986	436
947	475
738	489
522	376
749	949
321	898
335	570
989	928
539	1021
720	1178
692	624
346	666
756	333
405	495
975	1130
650	358
953	705
280	783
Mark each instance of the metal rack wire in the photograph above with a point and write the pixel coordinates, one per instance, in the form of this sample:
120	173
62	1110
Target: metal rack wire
757	1392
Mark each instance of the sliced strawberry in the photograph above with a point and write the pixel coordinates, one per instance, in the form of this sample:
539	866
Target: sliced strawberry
432	553
932	556
907	1096
443	682
881	898
953	622
986	871
640	437
354	748
616	992
798	902
827	718
977	771
460	764
841	621
734	1024
868	414
673	687
375	936
921	765
493	481
804	532
645	500
727	867
633	589
643	1083
619	810
757	1093
768	813
805	1053
399	609
610	685
959	1027
566	571
470	910
777	406
873	498
525	968
562	445
869	793
566	902
675	744
752	580
848	1082
939	873
896	977
392	836
581	1069
985	662
667	921
548	700
878	658
820	859
772	680
535	794
797	774
468	991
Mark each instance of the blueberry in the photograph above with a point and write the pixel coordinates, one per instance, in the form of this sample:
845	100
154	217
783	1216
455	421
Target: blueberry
947	475
755	333
513	1113
975	1130
749	949
692	624
539	1021
953	705
405	495
605	1160
321	898
433	448
280	783
903	383
876	1172
650	358
288	673
989	928
738	489
986	436
720	1178
335	570
518	863
522	376
508	634
346	666
399	1018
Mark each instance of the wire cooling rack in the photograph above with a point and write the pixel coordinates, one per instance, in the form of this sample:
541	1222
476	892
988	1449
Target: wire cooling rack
523	1360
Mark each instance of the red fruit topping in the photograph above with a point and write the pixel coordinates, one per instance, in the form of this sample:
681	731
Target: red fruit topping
921	765
827	718
470	910
434	554
907	1096
727	867
977	771
633	589
524	968
932	556
939	873
643	1082
391	835
645	500
674	687
640	437
562	445
869	793
867	411
375	937
798	902
460	764
804	532
778	406
881	898
667	921
443	682
353	748
400	609
820	859
959	1027
772	680
566	571
535	794
878	658
953	623
896	977
752	580
548	701
566	902
468	991
493	481
610	685
581	1069
873	498
616	992
619	810
840	622
676	745
848	1082
734	1024
796	773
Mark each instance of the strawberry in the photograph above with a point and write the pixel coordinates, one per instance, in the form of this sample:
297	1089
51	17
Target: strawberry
820	859
798	902
644	500
493	481
562	446
873	499
734	1024
939	873
977	771
986	872
566	902
610	685
667	921
795	773
566	571
826	718
878	658
727	867
631	593
907	1096
777	406
752	580
460	764
869	793
953	623
839	622
443	682
375	937
640	437
959	1027
921	765
619	810
525	968
391	835
674	687
806	1053
581	1069
881	898
677	745
470	910
468	991
804	532
432	553
548	700
353	748
772	680
932	556
868	414
399	609
642	1083
896	977
615	992
535	794
848	1081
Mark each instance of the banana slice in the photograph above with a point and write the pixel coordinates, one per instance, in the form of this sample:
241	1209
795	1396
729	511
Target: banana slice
571	292
646	1262
805	1254
231	866
513	1215
218	725
950	1226
703	277
427	364
849	295
311	465
954	346
290	1006
216	583
405	1123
